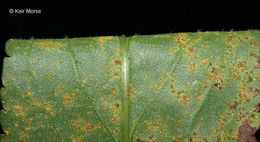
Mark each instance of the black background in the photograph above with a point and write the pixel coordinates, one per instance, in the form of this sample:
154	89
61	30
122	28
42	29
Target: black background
73	19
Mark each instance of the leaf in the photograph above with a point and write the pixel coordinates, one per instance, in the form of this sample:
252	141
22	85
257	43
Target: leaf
170	87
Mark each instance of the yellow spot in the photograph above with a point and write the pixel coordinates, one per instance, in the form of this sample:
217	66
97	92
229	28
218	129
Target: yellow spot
11	101
193	67
90	112
61	89
73	94
6	132
174	50
176	139
102	40
46	51
56	68
28	93
122	116
200	63
49	77
149	128
199	95
170	89
118	50
33	71
258	76
131	85
186	100
55	94
113	119
205	85
99	93
182	39
199	83
98	127
85	81
30	119
91	76
151	85
163	79
77	139
134	121
206	47
56	131
3	102
115	132
10	75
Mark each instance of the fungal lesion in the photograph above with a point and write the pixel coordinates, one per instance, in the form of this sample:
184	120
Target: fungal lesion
116	108
86	127
69	98
182	39
218	85
114	68
48	44
174	49
77	138
103	39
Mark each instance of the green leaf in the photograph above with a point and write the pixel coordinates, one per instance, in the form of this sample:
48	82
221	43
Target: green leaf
170	87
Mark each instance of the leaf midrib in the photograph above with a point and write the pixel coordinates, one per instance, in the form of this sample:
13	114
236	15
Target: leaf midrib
125	115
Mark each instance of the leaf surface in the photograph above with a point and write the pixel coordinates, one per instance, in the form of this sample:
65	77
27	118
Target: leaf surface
170	87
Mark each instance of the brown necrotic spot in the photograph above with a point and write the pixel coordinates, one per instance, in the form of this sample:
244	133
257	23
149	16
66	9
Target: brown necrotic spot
139	140
117	62
257	108
117	105
242	66
218	85
233	106
151	137
252	54
61	89
229	38
177	139
257	66
186	100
